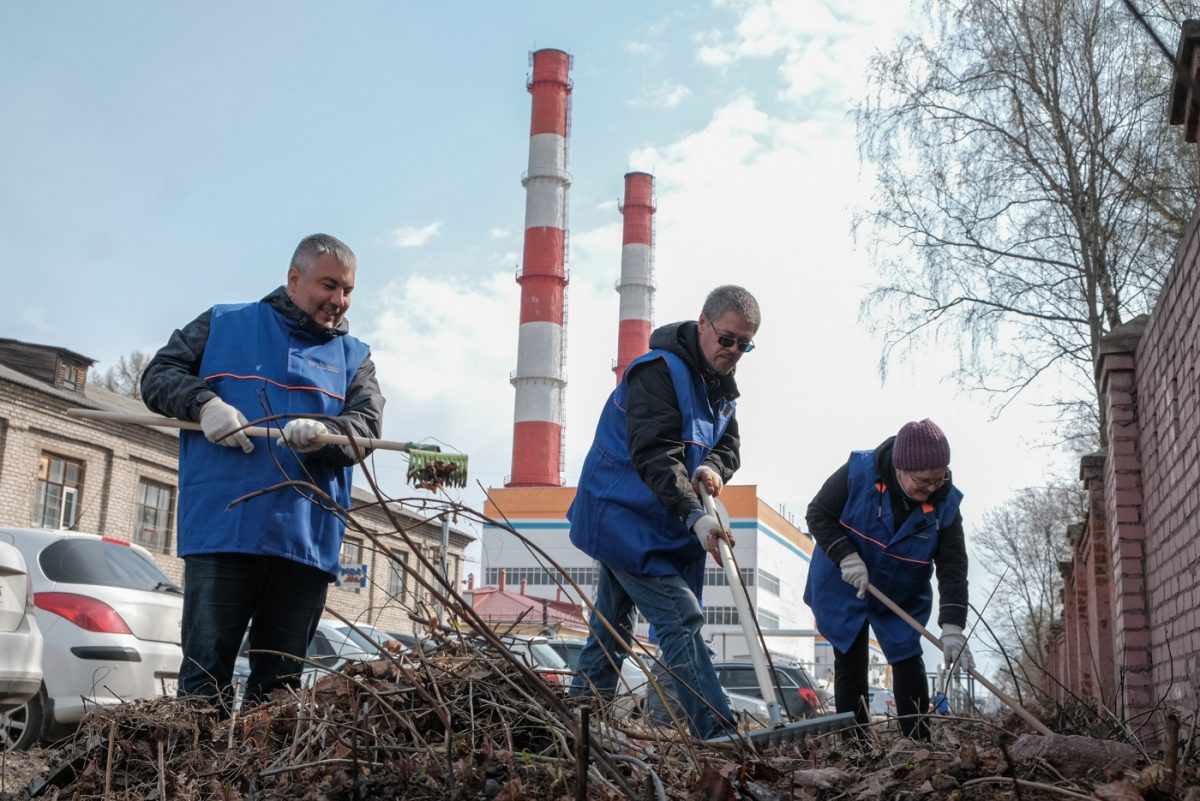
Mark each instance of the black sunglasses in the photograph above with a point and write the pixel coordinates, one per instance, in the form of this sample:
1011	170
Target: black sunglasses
730	342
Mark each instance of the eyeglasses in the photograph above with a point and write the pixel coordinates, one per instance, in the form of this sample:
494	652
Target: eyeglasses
927	483
726	341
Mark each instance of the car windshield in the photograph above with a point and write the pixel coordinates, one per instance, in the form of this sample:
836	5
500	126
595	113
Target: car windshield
109	564
569	651
545	656
359	642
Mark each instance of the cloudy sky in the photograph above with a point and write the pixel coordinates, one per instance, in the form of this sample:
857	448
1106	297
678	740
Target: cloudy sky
161	158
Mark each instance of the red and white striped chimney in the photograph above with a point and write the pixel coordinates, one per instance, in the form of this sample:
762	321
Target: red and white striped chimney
541	348
636	286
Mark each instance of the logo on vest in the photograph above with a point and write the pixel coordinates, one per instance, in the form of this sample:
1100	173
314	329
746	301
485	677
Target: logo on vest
329	368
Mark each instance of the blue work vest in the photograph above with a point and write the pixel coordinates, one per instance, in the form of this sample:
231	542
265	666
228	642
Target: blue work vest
615	516
262	363
899	562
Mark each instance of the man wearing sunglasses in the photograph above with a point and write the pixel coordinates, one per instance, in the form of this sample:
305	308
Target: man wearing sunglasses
667	427
887	517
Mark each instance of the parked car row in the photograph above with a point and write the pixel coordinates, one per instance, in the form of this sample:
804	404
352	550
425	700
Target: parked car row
109	620
797	691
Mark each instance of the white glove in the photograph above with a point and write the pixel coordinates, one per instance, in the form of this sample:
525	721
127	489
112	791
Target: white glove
954	647
709	530
854	572
218	419
301	434
710	478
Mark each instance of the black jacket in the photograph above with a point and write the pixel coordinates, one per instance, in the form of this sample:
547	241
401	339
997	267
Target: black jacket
825	511
171	383
654	423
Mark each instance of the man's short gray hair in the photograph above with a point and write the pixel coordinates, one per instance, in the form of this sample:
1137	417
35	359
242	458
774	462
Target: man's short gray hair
313	247
730	298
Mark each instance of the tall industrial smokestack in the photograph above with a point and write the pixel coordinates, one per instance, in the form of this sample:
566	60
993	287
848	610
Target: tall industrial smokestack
637	270
541	348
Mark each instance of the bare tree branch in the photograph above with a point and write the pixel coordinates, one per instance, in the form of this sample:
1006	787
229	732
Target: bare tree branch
1029	195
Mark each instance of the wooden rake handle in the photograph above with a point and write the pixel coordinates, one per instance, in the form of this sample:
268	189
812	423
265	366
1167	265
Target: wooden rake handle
366	443
979	677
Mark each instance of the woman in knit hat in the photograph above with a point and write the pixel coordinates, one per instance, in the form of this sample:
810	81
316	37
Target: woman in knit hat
887	517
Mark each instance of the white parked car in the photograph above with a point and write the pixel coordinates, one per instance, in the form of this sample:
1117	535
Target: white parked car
536	653
20	637
880	703
110	623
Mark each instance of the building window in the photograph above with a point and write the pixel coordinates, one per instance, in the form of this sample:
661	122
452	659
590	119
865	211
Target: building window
715	577
351	556
56	497
396	576
721	615
584	576
71	377
768	582
767	620
152	527
540	577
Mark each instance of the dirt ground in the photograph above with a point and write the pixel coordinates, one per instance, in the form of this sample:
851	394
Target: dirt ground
17	768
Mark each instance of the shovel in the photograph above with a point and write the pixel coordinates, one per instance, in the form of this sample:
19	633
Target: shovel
979	677
777	733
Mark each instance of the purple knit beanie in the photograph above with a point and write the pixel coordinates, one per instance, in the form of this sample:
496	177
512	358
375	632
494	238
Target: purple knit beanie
920	446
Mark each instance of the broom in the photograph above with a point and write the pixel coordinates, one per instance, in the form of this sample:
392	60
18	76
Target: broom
428	467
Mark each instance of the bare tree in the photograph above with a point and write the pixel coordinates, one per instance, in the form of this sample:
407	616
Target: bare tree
125	376
1025	170
1021	544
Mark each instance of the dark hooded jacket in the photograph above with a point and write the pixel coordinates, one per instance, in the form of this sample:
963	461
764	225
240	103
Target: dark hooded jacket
654	422
669	415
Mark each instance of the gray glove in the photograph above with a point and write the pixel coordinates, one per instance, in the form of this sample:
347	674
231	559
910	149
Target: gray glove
854	572
301	434
710	478
709	530
218	419
955	650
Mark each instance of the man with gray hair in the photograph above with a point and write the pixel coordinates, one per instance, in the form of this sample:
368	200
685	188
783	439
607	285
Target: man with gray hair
266	562
668	427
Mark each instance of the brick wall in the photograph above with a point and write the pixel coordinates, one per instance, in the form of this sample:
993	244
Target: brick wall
1134	582
1169	419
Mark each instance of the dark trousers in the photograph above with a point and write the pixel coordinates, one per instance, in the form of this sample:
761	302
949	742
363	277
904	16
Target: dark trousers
850	686
282	602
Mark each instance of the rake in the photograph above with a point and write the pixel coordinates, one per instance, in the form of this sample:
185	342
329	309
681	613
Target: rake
428	467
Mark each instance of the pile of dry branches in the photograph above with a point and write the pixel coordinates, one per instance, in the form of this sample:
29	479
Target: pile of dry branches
471	725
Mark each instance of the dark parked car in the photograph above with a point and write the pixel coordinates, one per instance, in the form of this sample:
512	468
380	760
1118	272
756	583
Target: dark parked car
748	709
799	694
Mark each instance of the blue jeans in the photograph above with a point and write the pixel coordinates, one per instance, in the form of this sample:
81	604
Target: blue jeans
282	602
672	608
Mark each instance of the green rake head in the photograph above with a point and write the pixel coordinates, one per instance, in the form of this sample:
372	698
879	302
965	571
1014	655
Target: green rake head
429	468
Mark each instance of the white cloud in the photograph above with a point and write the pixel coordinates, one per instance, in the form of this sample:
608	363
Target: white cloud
667	94
822	43
500	233
408	236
